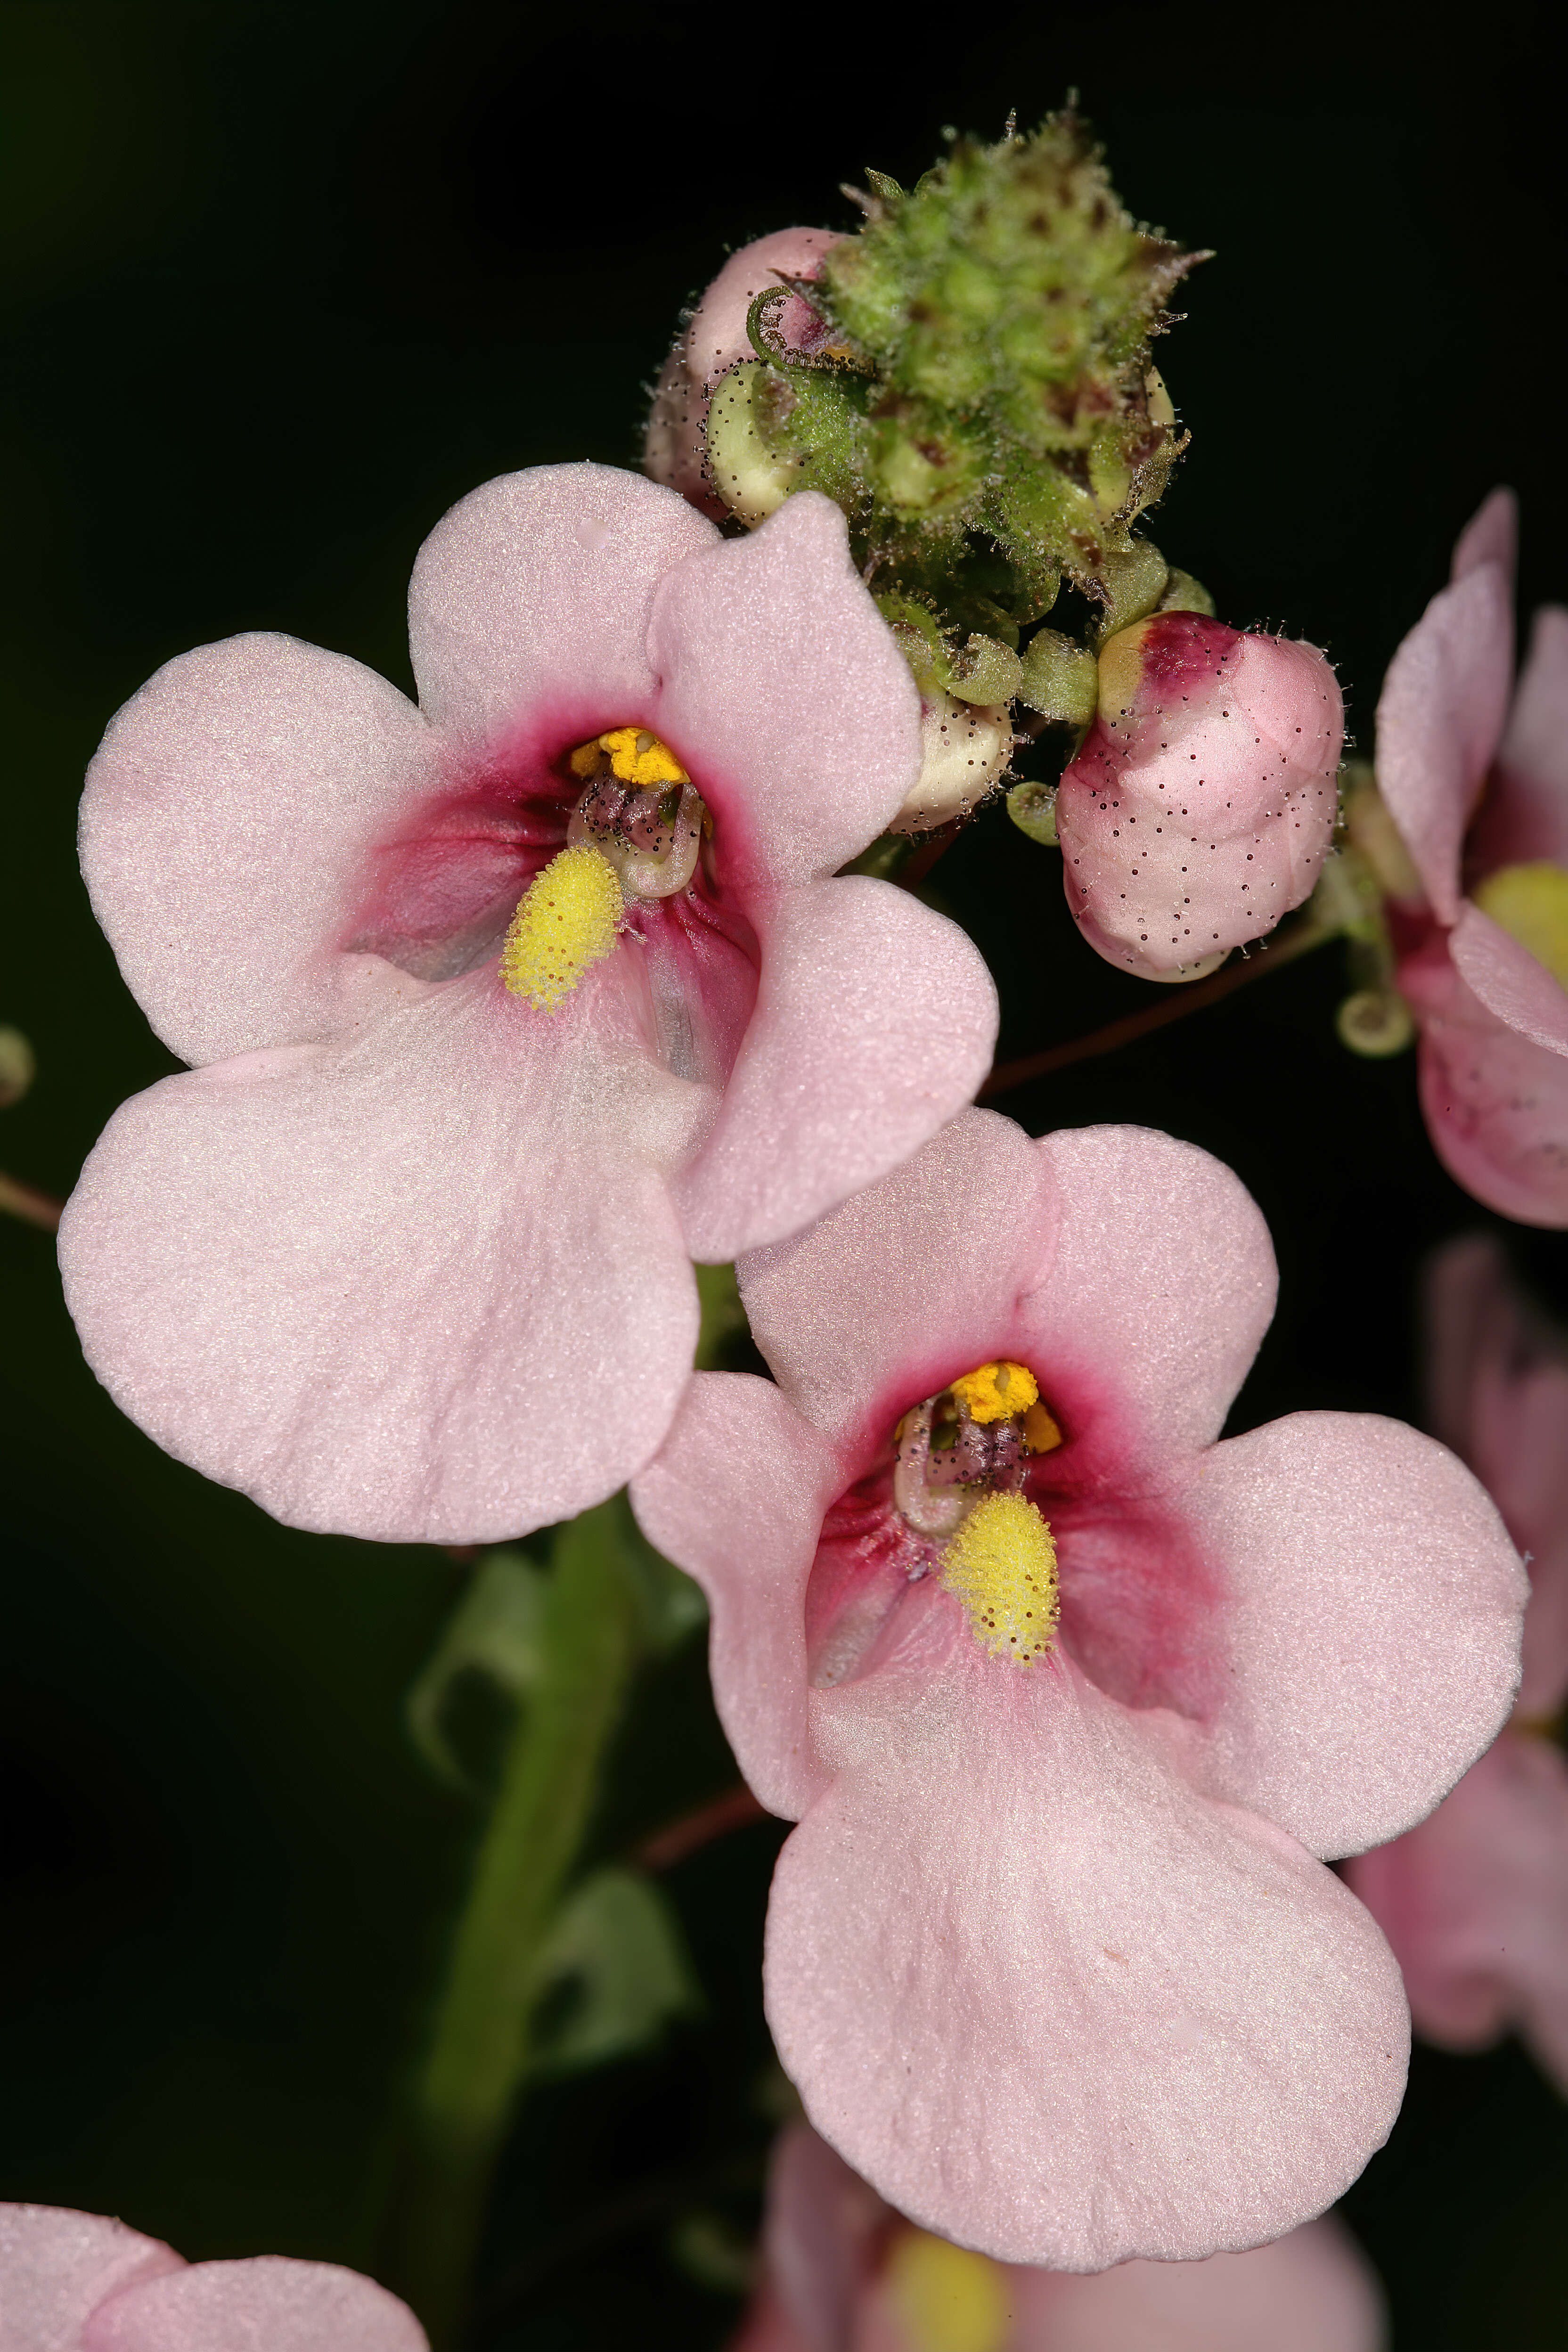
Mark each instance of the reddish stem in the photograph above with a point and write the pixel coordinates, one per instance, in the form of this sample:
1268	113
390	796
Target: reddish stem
735	1810
33	1207
1174	1006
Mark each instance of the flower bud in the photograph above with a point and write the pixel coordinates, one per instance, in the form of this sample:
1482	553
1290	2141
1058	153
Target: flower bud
967	746
1202	803
716	339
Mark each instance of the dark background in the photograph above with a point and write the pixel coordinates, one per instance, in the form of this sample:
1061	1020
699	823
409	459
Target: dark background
280	283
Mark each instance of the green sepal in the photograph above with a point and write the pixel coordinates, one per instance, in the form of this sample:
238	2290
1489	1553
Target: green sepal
1134	582
487	1660
1185	594
1033	809
1059	679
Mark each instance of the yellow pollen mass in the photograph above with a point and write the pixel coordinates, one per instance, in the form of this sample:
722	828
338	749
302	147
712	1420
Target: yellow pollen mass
1041	1433
946	2298
566	921
1002	1564
997	1392
637	758
1530	904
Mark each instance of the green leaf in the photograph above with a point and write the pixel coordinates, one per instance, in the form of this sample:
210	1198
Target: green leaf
493	1641
615	1951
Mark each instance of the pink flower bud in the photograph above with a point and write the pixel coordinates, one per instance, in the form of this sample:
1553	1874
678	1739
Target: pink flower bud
714	340
1200	806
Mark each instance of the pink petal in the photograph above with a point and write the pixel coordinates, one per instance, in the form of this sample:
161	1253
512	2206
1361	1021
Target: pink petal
426	1284
1498	1382
1491	536
1371	1627
266	2305
736	1494
1496	1105
1525	813
1510	981
1439	721
1052	2001
226	818
56	2267
875	1022
535	590
1313	2291
1163	1286
1475	1903
782	687
910	1282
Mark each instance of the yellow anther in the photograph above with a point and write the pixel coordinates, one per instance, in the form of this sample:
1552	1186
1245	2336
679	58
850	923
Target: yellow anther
946	2299
638	758
566	921
1041	1435
1530	904
996	1392
1002	1564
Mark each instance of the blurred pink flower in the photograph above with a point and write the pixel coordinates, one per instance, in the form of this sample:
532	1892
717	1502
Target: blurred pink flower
843	2273
1202	803
1047	1957
1478	785
715	341
1475	1899
407	1255
77	2282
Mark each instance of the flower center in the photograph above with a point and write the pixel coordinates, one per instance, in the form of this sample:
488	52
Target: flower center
640	810
960	1465
1530	904
634	834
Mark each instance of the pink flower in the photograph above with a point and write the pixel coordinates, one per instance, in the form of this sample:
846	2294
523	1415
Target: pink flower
1202	803
1478	789
716	340
843	2273
1475	1899
407	1254
77	2283
1049	1957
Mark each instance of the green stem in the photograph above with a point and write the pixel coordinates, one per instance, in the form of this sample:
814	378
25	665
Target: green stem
1175	1005
478	2052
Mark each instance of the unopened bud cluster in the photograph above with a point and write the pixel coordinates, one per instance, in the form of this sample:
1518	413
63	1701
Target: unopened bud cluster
969	378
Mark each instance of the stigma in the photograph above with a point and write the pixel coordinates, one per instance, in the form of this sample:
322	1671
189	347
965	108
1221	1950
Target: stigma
640	810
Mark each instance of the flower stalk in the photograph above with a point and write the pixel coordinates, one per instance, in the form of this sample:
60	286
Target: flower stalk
481	2047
